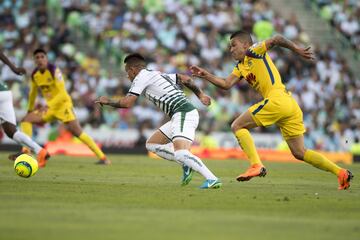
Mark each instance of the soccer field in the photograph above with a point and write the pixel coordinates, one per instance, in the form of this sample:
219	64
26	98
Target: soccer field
141	198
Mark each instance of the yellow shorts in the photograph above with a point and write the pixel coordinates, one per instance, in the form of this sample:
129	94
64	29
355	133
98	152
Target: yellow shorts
280	110
63	114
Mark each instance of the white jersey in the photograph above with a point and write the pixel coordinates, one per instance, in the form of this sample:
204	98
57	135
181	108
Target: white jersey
161	89
7	113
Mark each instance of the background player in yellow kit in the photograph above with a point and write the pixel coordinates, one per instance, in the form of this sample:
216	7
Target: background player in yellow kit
278	106
48	78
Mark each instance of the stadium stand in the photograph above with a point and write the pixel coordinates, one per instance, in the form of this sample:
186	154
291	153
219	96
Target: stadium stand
343	15
84	36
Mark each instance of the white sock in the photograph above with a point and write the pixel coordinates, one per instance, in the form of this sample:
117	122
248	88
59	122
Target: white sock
165	151
25	140
189	159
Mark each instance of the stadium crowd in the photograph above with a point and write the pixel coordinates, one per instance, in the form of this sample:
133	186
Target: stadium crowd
174	35
344	16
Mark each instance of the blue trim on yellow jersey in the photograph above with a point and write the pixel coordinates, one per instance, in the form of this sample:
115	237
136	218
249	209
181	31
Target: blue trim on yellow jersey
249	53
269	70
50	67
260	107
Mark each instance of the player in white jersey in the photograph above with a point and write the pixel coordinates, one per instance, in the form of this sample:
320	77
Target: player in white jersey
173	140
7	115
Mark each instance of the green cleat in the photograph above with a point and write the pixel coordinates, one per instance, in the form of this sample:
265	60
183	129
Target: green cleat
187	175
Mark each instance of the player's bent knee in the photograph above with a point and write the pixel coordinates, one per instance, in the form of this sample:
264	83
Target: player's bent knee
299	154
32	118
235	127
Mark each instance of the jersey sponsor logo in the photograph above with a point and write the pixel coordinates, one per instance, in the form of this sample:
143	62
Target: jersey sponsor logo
250	78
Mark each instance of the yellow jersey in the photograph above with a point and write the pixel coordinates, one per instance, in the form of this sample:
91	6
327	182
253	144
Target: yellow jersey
259	71
52	86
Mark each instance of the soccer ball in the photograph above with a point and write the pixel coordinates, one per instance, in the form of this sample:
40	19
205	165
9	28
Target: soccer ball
25	166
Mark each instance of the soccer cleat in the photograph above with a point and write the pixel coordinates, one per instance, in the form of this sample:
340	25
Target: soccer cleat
187	175
42	157
14	156
208	183
256	170
103	161
344	179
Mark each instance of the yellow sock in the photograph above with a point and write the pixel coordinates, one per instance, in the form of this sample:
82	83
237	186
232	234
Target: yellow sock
92	145
321	162
26	127
248	146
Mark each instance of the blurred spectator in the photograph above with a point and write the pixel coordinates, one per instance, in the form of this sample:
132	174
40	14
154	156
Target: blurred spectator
343	15
84	37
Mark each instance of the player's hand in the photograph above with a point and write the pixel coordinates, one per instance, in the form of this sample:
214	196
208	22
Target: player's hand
205	99
198	71
306	53
103	100
19	71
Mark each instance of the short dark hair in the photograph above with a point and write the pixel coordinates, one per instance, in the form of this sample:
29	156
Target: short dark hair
135	59
244	36
39	50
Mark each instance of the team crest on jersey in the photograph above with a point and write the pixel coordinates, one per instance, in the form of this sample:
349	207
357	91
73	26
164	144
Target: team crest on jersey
249	63
250	78
49	79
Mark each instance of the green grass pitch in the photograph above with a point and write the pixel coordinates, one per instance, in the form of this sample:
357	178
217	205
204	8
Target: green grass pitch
141	198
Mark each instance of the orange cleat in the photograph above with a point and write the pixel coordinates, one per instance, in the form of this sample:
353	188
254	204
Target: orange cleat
256	170
344	179
42	157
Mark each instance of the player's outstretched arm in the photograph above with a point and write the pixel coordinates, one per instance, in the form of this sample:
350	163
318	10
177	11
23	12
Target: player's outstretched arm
279	40
189	83
217	81
125	102
17	70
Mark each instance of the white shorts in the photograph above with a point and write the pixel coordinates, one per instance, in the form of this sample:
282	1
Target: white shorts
181	125
7	113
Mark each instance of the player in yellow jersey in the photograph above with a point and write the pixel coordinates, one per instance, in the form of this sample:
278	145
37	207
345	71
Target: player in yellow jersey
49	80
278	106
